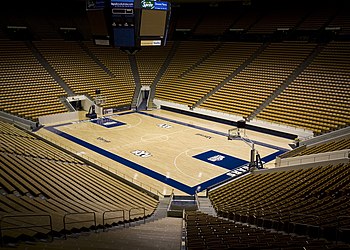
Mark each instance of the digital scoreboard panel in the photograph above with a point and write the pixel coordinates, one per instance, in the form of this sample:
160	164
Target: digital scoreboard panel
130	23
154	5
154	23
123	23
97	19
129	4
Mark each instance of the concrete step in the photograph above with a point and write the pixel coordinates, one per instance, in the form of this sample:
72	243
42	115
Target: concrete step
161	209
160	234
156	232
206	206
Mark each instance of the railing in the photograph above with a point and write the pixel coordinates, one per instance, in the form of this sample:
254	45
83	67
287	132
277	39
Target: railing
307	225
142	213
340	228
197	200
170	200
183	231
47	226
326	137
19	121
87	217
319	158
112	218
65	222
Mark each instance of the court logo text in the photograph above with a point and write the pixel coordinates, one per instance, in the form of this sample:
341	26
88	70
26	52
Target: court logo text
141	153
103	139
216	158
205	136
163	125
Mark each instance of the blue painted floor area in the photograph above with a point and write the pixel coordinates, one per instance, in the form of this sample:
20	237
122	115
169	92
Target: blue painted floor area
213	157
107	122
220	159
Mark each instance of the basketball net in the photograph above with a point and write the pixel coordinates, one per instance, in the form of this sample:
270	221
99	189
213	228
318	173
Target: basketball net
100	100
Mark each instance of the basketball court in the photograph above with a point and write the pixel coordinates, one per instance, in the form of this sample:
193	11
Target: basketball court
163	151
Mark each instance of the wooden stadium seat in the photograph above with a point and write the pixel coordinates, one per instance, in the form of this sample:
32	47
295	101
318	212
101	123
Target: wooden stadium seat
27	85
309	90
39	178
321	193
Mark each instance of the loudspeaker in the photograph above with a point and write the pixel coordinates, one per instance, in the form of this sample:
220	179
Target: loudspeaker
241	124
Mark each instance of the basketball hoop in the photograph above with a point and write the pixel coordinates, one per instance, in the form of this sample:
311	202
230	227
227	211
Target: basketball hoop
233	133
240	132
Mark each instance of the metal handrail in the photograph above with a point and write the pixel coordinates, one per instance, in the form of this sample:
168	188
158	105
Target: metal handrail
137	208
338	226
21	227
116	217
197	200
170	200
68	223
183	230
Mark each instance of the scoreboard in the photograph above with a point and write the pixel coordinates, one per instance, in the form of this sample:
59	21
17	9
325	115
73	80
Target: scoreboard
133	23
123	23
154	22
154	5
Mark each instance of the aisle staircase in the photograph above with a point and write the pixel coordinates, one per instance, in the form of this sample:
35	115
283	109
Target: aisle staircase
164	233
206	206
155	232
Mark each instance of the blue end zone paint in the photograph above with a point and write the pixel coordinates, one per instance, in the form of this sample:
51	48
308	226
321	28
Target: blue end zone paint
219	159
107	122
224	177
173	183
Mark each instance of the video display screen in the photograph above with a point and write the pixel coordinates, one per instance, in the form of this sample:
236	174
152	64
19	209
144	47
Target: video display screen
153	23
124	37
154	5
